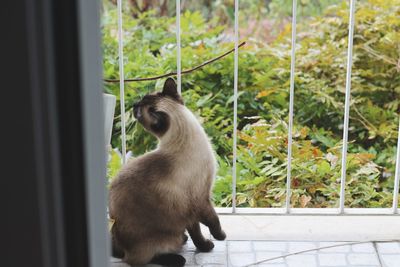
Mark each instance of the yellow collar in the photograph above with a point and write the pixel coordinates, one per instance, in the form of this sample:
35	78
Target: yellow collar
110	224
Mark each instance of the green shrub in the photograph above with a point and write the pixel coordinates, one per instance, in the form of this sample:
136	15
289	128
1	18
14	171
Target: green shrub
264	72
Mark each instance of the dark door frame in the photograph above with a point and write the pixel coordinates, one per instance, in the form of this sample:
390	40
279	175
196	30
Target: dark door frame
53	187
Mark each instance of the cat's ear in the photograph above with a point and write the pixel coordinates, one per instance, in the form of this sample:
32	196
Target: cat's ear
170	88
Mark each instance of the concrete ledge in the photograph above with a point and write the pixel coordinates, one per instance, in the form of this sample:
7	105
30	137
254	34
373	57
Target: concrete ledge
310	228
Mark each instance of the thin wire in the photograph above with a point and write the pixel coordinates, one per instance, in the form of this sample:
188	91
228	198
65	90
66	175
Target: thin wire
291	103
172	73
378	255
121	79
347	105
326	247
235	99
178	45
397	176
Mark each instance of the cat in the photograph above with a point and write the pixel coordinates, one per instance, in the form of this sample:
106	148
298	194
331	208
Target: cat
157	196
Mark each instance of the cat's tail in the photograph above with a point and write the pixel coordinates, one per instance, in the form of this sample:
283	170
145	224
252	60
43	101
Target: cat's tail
116	251
170	260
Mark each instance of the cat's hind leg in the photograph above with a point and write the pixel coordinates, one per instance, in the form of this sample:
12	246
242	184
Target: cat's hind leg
138	256
143	257
173	260
159	249
199	241
117	252
210	218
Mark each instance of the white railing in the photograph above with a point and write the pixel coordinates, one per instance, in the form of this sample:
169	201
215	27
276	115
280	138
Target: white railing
341	210
347	106
291	104
121	79
235	100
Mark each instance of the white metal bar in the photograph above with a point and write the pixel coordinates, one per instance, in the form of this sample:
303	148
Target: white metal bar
121	79
178	45
347	105
397	177
308	211
291	103
235	99
368	211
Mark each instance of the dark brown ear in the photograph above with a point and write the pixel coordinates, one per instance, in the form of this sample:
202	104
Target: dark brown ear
170	88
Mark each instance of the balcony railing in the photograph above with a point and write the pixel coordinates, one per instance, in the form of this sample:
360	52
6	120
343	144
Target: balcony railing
340	210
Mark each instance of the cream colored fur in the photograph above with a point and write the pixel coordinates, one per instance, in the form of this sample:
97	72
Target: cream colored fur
188	144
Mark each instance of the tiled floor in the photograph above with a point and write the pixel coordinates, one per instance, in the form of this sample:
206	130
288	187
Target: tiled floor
248	253
303	233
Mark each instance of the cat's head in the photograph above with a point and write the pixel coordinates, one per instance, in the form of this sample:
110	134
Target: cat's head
153	111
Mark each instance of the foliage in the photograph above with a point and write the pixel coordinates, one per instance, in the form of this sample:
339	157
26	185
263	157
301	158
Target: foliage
264	71
114	164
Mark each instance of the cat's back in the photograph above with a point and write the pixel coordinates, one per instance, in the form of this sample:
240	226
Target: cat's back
139	176
145	169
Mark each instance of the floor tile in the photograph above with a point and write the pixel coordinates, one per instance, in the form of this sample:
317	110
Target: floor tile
342	248
190	258
300	246
241	259
365	247
220	246
115	259
260	256
332	259
272	265
362	259
210	258
240	246
302	261
270	246
390	260
189	246
241	253
388	248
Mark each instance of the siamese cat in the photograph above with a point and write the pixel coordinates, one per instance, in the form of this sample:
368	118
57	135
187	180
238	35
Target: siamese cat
159	195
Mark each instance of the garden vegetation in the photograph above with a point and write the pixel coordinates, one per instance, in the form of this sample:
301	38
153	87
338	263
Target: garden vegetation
263	103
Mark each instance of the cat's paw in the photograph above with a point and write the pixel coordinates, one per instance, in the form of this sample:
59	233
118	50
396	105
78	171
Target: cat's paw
219	235
206	246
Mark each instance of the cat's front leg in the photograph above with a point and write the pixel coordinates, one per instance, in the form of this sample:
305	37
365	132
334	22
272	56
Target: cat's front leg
210	218
204	245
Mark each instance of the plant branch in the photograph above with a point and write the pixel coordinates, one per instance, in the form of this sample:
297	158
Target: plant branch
373	52
175	73
364	119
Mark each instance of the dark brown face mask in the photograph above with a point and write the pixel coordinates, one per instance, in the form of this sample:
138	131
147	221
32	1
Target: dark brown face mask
145	111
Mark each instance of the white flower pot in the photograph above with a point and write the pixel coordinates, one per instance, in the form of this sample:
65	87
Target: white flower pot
109	109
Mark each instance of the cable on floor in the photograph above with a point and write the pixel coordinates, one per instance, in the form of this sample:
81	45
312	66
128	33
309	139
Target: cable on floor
314	249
